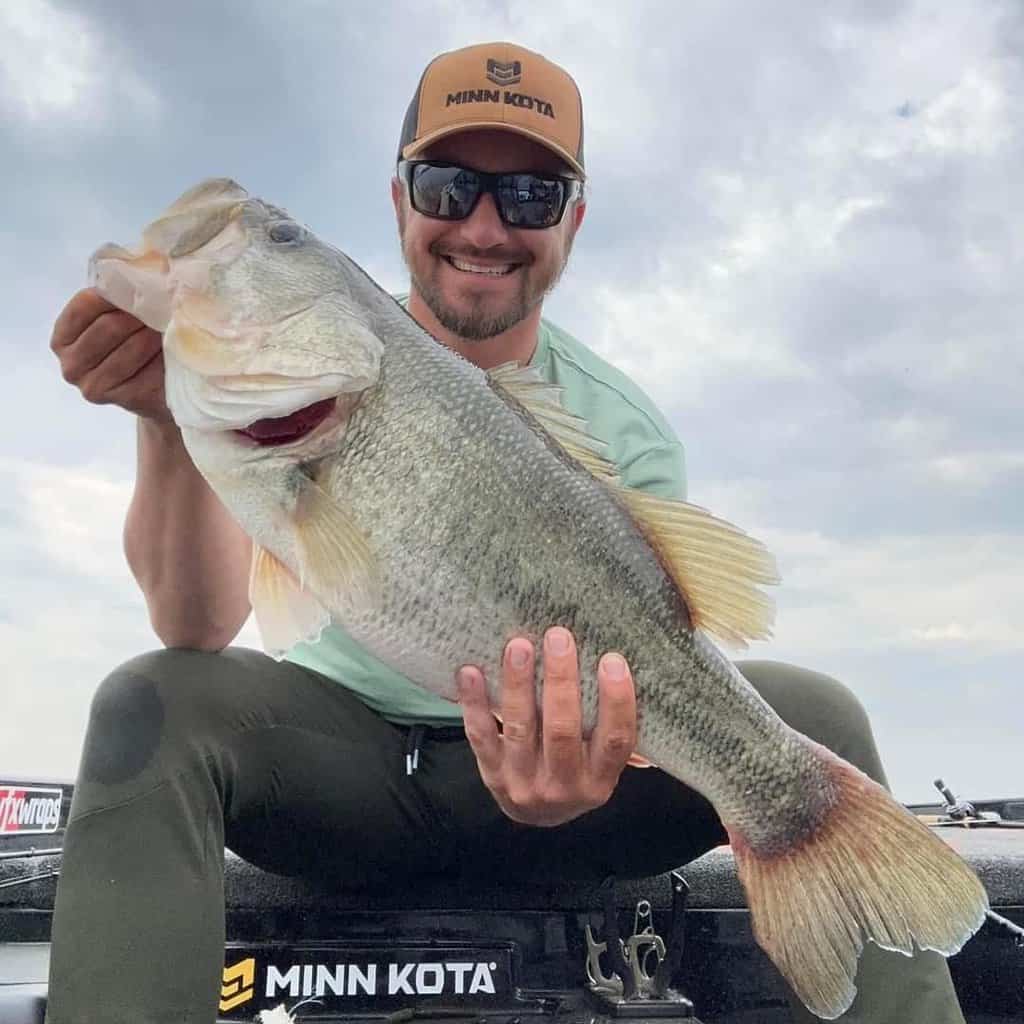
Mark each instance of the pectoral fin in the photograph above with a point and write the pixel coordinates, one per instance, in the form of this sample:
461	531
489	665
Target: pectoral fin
337	572
286	614
336	561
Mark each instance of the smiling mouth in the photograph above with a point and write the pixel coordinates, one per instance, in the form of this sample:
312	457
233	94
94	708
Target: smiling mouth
288	429
493	270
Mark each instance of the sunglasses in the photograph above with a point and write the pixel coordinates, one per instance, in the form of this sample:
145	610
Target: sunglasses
524	200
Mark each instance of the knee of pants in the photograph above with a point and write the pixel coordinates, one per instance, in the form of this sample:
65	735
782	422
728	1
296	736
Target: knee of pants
820	707
151	715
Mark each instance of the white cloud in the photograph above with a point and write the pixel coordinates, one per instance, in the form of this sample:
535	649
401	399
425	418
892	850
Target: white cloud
672	339
54	63
76	514
878	594
49	57
952	631
718	313
762	220
973	116
971	470
912	431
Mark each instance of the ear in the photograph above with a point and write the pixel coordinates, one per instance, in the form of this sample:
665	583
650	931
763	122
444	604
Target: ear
578	213
396	194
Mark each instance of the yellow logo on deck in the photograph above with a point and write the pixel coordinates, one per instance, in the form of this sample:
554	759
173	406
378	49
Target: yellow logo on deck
239	985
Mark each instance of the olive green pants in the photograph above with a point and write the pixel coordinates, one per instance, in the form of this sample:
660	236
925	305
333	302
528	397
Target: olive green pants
187	752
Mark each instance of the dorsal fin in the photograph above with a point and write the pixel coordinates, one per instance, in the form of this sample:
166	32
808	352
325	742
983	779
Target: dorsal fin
543	401
717	566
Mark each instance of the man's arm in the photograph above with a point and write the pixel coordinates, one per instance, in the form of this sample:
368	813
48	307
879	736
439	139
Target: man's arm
190	558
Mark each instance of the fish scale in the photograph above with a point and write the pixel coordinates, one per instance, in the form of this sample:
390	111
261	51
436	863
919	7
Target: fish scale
543	494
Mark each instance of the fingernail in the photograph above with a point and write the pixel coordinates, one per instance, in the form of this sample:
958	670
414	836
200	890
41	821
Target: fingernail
464	682
614	666
558	641
518	653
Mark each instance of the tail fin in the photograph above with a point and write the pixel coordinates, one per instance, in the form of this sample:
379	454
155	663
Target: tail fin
871	871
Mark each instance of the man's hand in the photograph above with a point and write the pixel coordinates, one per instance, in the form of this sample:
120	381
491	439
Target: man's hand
111	356
539	768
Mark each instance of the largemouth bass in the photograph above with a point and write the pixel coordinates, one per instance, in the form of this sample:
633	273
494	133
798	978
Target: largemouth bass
435	510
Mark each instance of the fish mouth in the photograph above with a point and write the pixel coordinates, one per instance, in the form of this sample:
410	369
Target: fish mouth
281	430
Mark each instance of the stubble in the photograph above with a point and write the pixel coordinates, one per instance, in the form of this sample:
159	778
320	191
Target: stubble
477	322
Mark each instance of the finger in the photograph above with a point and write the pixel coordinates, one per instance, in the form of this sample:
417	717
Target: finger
96	343
614	737
81	310
481	728
122	364
145	392
520	743
561	715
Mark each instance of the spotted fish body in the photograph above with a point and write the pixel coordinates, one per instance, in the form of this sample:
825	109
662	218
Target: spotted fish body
435	511
461	494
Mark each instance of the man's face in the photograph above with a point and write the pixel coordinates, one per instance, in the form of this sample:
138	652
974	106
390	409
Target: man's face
478	276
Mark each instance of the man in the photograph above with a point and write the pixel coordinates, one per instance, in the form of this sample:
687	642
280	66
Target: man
327	762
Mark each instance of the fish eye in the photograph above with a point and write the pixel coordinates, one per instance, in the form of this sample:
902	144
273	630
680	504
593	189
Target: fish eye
284	231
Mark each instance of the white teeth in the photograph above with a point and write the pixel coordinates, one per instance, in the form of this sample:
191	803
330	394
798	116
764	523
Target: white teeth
475	269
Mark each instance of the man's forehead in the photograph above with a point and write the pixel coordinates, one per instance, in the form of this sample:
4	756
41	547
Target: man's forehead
489	149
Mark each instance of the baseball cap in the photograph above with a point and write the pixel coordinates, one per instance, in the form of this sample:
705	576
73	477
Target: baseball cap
496	85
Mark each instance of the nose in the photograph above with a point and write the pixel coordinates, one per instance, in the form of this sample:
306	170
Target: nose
483	228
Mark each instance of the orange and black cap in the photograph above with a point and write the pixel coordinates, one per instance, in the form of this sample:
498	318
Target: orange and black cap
496	85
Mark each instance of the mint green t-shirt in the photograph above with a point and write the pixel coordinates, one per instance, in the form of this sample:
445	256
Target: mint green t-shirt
641	444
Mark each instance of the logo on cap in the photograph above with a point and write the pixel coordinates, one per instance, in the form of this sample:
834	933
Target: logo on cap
501	73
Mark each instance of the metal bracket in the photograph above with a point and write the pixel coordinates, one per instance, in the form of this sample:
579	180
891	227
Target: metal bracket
634	988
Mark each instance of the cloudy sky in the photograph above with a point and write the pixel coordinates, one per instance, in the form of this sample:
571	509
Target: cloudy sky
805	239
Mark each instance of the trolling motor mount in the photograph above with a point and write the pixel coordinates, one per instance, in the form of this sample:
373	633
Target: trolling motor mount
642	966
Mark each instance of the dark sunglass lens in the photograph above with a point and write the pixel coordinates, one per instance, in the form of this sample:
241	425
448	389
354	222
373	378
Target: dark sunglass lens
444	191
531	202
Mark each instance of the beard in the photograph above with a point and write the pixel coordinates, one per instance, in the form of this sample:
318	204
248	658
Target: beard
477	323
479	320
